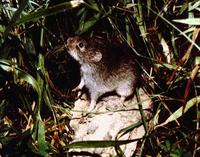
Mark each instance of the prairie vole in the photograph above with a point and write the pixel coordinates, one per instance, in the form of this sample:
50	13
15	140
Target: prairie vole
105	67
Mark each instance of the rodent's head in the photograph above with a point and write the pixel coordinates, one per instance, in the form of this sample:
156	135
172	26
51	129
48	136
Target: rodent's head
84	49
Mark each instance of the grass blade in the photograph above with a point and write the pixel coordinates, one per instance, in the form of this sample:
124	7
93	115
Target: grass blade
178	113
88	24
23	76
49	11
189	21
15	17
99	144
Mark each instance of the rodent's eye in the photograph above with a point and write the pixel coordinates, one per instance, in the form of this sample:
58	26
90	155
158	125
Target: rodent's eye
80	45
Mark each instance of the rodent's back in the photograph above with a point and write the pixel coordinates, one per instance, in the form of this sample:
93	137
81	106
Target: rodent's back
117	61
117	66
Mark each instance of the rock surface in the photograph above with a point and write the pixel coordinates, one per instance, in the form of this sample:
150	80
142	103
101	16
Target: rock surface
106	120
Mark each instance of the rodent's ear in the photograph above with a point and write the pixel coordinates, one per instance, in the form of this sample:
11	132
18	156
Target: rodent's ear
97	56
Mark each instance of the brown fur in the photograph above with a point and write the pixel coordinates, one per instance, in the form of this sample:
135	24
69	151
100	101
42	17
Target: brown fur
105	66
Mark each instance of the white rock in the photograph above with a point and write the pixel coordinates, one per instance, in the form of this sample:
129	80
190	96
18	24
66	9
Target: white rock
111	119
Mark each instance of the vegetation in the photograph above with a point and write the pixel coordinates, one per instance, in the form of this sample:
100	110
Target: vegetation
35	82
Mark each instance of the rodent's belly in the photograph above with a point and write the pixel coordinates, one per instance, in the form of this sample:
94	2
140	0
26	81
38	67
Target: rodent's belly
95	84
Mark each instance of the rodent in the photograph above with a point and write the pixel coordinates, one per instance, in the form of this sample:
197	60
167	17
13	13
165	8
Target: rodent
105	67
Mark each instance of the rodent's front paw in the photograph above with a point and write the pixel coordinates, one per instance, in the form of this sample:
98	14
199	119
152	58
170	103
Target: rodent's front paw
77	92
77	89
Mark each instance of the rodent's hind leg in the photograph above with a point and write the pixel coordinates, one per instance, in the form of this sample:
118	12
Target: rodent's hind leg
124	90
122	99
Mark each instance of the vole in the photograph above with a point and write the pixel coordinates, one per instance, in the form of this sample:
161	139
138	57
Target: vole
104	66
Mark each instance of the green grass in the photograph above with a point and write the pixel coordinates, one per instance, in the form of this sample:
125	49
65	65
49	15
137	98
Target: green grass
35	108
